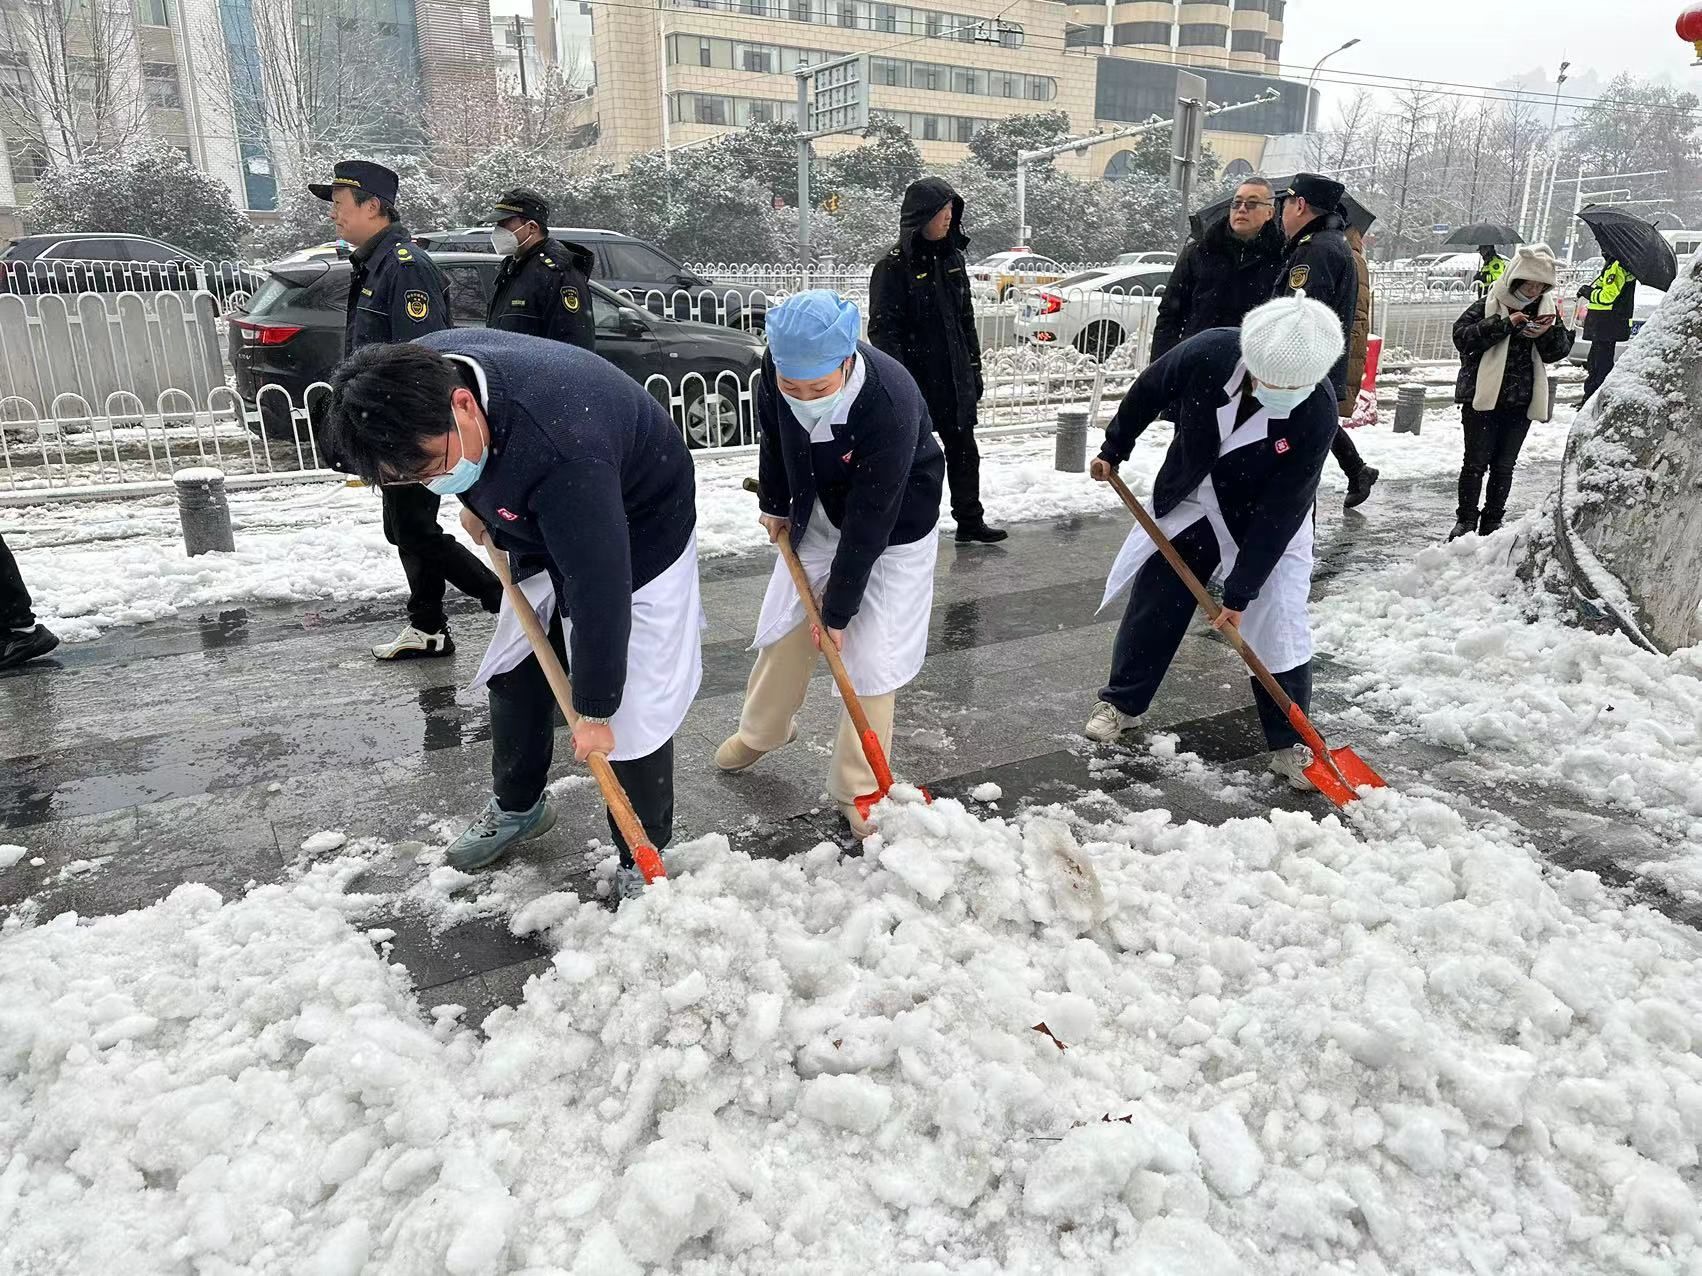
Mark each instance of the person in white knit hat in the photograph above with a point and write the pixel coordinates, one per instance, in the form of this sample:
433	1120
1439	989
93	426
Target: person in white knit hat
1255	414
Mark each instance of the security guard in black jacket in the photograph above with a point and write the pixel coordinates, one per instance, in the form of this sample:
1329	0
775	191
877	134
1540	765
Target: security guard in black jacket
1319	262
397	293
543	288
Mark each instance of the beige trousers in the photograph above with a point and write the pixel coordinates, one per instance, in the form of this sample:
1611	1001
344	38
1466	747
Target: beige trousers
775	693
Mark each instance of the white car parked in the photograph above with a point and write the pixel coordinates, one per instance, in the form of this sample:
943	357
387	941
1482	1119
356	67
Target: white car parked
1145	259
999	277
1095	311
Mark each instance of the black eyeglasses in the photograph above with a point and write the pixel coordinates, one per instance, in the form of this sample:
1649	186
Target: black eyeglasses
1249	204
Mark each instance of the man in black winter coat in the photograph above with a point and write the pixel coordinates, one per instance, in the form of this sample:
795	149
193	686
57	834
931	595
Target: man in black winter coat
397	293
1224	273
1319	262
920	313
543	288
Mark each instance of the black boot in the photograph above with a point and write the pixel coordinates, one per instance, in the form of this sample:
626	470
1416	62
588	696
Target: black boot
1463	527
1495	502
19	645
1359	486
979	533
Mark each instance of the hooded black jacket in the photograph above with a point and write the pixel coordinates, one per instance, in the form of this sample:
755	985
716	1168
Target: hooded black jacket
919	307
1319	261
1217	279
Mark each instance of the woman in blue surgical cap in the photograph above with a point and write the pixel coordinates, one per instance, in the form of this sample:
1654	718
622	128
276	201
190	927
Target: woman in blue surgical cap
851	472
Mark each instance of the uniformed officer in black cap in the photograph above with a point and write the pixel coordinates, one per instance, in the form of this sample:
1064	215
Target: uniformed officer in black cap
1319	262
544	286
396	293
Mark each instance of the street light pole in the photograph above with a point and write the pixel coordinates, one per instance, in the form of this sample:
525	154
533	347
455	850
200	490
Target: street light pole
1309	79
1554	154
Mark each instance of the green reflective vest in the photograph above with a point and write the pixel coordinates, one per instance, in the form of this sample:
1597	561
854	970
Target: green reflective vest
1607	286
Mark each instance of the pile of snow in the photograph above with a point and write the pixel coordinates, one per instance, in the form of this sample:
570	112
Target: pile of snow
1456	649
1282	1045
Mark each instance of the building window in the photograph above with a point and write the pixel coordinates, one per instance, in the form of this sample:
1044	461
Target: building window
1275	8
1249	6
1130	90
160	79
887	71
799	11
1083	37
756	57
1273	50
1201	35
14	76
153	13
29	160
1247	41
1155	33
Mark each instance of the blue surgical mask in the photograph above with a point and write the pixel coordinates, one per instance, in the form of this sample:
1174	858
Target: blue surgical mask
1280	401
464	474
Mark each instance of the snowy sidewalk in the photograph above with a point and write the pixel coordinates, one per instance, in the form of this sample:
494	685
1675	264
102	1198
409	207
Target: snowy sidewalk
1252	1037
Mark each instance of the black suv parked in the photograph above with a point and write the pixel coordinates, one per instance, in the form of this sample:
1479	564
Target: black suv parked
291	335
115	263
627	265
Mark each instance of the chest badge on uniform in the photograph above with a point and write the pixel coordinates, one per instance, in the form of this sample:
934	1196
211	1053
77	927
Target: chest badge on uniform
1281	446
419	305
1298	276
570	300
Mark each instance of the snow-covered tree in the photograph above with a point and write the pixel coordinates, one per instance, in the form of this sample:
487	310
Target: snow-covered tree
149	189
887	162
504	167
1631	500
997	146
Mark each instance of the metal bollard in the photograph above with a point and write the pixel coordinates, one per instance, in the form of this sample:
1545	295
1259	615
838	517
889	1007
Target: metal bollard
1070	448
1553	396
1409	409
202	510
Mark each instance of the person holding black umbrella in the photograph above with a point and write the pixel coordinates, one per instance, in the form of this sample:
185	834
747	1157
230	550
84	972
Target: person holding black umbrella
1494	266
1612	297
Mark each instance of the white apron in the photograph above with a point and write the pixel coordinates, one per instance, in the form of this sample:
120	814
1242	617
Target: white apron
664	652
1275	624
887	639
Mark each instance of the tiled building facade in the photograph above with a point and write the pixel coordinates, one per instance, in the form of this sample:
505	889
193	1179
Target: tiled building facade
690	70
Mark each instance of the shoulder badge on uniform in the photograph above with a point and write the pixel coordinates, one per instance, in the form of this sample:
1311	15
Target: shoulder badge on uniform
1298	276
550	262
404	253
419	305
570	300
518	301
1306	239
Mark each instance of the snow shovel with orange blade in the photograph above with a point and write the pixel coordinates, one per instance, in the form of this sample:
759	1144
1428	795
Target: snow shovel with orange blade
871	742
1337	773
620	806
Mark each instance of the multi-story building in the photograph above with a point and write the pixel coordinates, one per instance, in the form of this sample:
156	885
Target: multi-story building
687	70
536	37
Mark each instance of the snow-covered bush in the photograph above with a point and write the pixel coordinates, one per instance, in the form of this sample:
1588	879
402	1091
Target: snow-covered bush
148	189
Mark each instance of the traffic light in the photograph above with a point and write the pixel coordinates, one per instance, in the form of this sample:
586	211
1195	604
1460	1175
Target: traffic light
830	204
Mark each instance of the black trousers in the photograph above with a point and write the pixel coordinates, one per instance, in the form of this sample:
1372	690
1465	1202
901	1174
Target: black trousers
1597	364
1346	454
523	726
1154	624
1493	440
15	610
963	469
431	557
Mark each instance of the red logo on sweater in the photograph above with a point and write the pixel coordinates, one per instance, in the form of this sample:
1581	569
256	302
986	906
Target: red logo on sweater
1282	446
846	459
511	517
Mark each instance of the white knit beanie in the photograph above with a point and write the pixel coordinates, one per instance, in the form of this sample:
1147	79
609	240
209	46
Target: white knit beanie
1292	341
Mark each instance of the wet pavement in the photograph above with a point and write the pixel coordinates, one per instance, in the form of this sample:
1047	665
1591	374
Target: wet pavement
209	749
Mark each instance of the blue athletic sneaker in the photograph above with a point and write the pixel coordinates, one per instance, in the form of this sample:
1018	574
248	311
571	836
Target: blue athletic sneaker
496	831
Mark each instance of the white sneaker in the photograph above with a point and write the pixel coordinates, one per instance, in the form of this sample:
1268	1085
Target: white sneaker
1290	764
1107	722
412	644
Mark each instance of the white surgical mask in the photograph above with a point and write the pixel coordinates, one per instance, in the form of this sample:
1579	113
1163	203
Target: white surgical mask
1281	401
812	412
505	241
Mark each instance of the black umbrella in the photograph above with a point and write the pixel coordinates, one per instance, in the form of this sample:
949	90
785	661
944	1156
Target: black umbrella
1479	233
1633	243
1359	217
1207	217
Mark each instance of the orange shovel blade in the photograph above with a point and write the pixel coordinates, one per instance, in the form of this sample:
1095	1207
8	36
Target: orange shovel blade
649	863
1341	782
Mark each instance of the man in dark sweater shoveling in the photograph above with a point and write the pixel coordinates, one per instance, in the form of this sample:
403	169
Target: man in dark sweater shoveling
1255	415
565	462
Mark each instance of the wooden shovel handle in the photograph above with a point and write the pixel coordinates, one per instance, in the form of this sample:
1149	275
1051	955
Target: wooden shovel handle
829	648
620	806
1209	605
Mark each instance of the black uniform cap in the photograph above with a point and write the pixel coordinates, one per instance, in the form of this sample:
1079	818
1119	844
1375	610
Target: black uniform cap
1318	191
520	202
362	175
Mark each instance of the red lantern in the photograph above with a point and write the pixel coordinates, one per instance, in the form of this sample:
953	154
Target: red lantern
1689	25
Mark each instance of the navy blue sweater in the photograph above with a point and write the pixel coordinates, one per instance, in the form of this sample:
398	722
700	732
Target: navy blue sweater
878	481
587	471
1266	489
